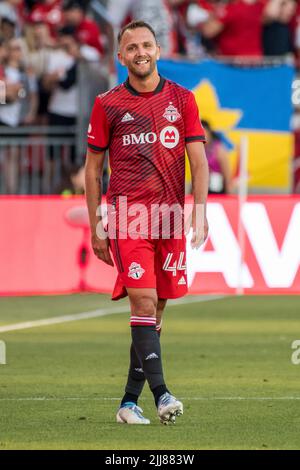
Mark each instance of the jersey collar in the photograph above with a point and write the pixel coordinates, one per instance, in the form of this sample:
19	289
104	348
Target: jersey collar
133	91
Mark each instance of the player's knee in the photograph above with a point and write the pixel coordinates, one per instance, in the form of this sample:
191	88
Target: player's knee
144	307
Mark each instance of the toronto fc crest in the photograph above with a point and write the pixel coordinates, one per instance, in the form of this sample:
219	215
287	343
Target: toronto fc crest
135	271
171	113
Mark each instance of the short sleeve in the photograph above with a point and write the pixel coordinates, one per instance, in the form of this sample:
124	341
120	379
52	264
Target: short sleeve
194	131
99	128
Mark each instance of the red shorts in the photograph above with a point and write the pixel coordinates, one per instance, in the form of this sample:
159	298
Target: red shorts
158	264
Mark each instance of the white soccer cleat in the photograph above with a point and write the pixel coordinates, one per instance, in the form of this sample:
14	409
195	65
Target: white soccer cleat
131	414
169	408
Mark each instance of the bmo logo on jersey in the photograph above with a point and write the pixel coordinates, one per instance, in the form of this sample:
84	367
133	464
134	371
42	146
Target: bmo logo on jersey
143	138
169	137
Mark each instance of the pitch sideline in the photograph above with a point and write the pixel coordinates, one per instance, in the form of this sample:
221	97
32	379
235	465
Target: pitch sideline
43	399
97	313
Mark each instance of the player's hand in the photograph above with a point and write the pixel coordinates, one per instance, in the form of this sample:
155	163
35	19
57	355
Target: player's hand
200	233
101	249
200	228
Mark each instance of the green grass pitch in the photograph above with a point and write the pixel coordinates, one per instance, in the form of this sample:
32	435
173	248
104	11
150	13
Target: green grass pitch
229	360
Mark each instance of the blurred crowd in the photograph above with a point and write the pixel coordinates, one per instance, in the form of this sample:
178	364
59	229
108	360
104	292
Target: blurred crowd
252	28
41	43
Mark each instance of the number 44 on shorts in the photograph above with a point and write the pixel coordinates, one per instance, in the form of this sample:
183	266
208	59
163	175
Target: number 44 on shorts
168	266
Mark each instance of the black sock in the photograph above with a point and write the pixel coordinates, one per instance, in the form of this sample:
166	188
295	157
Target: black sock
158	392
136	377
147	346
129	397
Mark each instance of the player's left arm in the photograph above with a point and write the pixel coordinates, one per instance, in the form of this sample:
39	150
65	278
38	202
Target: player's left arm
199	171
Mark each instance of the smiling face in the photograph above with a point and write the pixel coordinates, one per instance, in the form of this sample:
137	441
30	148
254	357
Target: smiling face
139	51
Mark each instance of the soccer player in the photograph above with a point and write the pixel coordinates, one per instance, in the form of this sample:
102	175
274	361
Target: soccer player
147	122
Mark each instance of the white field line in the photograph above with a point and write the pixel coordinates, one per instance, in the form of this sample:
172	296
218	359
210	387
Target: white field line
284	398
96	313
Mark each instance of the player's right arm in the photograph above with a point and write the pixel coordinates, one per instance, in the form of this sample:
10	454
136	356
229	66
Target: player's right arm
98	142
93	188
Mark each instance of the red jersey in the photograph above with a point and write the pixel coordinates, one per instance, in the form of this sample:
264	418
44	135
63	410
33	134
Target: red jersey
242	34
146	134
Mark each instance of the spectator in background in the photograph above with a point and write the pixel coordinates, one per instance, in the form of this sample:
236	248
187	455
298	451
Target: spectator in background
277	33
10	9
295	29
220	180
20	108
194	14
48	12
61	79
86	30
15	111
188	41
7	29
158	13
9	89
236	27
39	43
73	181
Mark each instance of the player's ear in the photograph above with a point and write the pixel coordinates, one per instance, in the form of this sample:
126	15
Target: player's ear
120	58
158	52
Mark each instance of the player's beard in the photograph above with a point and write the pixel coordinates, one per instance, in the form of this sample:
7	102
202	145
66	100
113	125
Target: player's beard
142	74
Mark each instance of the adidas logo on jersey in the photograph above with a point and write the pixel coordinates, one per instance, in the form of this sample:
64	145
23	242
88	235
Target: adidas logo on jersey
127	118
182	281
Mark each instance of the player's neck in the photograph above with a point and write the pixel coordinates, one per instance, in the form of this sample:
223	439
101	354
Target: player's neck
145	85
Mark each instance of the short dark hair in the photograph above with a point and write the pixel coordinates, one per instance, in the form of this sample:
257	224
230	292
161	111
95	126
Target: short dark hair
6	20
134	25
70	4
